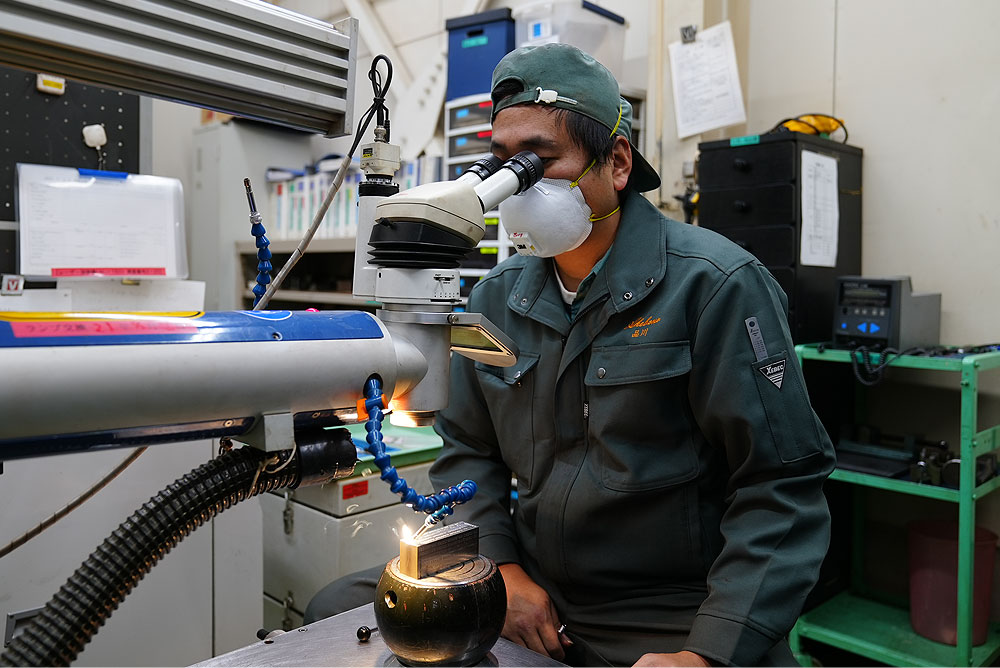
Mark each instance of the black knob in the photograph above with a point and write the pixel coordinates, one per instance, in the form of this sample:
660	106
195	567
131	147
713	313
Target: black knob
741	165
365	633
262	633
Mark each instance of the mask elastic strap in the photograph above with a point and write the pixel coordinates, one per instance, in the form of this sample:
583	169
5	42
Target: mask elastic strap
574	184
593	162
594	220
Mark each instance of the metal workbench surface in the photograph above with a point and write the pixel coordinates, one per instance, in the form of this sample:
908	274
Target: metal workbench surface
334	642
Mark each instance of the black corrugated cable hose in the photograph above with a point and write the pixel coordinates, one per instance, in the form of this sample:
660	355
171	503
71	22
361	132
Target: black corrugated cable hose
59	633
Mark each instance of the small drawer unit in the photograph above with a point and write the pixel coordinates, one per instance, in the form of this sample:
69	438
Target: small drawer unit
492	222
482	257
472	142
456	169
745	207
752	191
466	115
774	245
468	134
726	165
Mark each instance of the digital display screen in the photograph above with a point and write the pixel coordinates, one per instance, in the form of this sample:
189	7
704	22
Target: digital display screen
865	294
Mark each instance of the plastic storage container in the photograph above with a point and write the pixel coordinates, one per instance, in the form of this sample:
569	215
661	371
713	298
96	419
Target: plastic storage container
933	552
593	29
476	43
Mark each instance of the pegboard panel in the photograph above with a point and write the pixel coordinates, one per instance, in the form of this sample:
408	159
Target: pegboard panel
47	129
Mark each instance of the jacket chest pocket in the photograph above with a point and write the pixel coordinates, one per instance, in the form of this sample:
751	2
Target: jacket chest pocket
639	417
509	396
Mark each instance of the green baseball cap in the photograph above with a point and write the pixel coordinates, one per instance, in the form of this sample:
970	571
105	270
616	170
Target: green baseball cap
563	76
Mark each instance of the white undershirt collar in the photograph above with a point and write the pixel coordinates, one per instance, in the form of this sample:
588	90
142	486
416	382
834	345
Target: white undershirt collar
567	296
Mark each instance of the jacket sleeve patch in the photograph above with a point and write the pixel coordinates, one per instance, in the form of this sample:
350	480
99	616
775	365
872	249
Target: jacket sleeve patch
774	372
790	417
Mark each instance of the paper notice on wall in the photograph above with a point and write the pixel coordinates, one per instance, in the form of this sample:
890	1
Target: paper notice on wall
820	210
706	82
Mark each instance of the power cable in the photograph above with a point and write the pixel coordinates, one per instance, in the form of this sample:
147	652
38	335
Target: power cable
377	107
74	504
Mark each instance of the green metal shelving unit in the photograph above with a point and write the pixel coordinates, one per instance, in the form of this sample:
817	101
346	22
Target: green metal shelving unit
880	631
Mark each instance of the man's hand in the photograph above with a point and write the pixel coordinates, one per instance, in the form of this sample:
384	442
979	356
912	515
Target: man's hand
674	659
532	620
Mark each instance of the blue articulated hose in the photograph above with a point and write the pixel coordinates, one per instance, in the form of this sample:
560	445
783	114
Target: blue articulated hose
261	241
437	506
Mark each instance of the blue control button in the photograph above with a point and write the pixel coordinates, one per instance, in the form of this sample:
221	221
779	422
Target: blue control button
874	328
863	327
843	325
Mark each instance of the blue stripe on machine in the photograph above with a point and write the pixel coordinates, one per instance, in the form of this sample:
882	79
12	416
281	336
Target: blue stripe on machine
19	330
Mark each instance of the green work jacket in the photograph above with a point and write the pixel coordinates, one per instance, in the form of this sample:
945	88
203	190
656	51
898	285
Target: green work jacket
667	480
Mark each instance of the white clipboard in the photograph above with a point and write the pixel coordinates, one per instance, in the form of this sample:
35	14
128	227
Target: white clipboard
86	223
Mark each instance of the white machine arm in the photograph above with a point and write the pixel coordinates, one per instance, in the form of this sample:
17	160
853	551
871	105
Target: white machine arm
79	381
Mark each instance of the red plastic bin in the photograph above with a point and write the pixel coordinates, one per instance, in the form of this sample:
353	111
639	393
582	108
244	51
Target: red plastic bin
933	552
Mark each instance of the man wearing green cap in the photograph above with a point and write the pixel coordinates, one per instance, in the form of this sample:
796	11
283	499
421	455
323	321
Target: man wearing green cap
669	468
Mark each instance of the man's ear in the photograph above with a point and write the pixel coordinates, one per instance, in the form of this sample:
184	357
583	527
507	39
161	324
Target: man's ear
621	162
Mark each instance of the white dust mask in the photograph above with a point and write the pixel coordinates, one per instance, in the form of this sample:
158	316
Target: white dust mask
548	219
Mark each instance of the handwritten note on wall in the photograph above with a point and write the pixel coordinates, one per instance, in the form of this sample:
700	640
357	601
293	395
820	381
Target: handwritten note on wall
706	82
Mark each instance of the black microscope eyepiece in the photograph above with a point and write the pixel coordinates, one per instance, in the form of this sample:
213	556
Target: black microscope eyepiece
528	168
484	167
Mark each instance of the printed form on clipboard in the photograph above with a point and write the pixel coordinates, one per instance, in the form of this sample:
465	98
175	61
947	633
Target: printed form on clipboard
85	223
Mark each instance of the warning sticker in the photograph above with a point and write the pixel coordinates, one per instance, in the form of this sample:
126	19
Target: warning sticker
63	272
354	489
54	328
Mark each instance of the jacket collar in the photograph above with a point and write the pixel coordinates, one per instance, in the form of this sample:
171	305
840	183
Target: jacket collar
636	265
637	262
536	295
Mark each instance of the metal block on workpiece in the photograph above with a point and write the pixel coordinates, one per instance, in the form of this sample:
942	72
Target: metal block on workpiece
438	550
